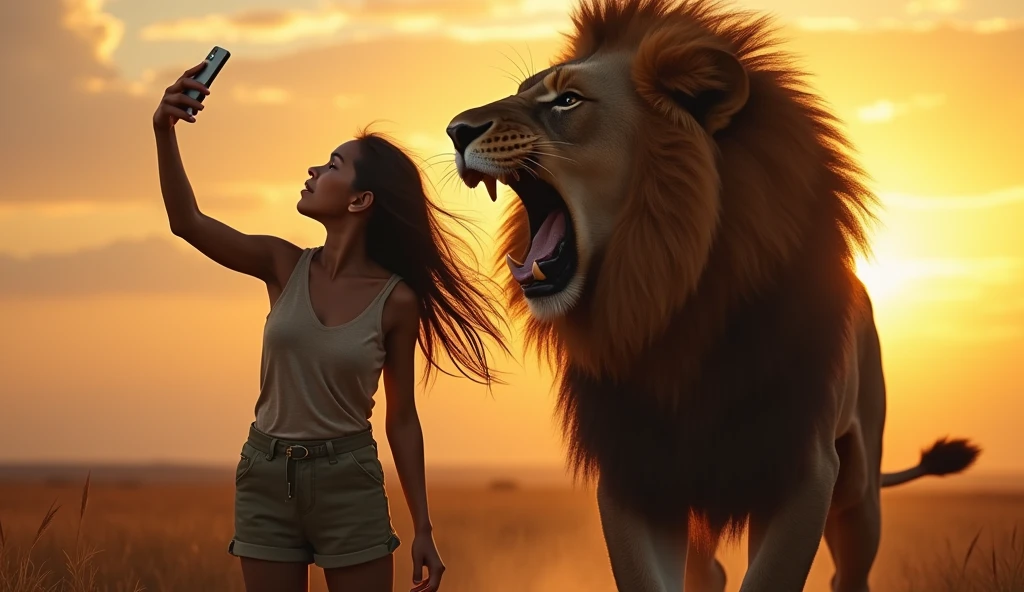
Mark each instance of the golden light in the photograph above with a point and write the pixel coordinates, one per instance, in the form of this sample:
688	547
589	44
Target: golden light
883	280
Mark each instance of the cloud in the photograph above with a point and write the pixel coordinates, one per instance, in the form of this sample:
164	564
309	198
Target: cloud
885	110
257	27
136	88
339	21
997	25
63	129
982	26
100	29
147	266
492	20
51	41
348	101
969	334
479	33
994	199
960	297
939	6
263	95
85	135
828	23
447	9
995	270
922	24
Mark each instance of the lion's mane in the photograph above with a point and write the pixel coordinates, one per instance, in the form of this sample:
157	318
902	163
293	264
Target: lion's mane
693	380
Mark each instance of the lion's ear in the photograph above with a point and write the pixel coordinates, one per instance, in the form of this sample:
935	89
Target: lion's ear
690	79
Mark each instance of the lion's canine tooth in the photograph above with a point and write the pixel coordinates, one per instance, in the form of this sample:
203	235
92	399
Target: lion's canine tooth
492	187
537	273
512	264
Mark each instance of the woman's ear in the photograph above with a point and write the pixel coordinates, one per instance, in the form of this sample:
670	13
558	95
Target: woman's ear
361	202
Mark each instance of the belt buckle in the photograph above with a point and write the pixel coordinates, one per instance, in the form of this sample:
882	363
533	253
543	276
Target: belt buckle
290	452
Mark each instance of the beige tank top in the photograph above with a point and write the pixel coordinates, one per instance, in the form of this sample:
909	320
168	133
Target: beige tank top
318	382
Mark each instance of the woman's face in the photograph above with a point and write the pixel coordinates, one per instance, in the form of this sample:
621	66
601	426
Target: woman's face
328	193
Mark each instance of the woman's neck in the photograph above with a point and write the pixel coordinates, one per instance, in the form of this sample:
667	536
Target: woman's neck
344	253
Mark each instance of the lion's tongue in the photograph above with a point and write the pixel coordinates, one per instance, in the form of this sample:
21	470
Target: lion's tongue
548	236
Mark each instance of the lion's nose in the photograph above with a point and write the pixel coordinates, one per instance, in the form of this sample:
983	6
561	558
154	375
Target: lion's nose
463	134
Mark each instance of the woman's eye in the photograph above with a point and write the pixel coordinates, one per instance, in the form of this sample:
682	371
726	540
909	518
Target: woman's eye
567	99
331	166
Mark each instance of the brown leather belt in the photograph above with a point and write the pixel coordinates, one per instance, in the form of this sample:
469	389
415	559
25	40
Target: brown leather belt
295	450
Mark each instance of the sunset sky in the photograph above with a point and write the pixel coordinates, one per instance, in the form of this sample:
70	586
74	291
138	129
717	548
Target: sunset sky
118	343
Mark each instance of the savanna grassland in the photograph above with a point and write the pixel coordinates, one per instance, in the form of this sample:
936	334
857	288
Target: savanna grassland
173	538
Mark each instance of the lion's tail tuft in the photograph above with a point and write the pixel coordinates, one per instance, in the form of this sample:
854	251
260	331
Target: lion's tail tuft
945	457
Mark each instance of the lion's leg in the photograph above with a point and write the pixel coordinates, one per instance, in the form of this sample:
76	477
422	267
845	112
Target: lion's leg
853	535
704	573
790	536
643	557
854	524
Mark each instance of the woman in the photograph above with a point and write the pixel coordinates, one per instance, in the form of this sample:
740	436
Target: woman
309	486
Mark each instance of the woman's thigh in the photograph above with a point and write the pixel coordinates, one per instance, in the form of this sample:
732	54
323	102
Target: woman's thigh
274	576
373	576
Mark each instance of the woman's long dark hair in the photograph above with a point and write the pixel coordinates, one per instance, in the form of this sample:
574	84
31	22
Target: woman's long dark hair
406	237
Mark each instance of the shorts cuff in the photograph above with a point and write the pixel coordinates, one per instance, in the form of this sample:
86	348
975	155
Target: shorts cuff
358	557
240	549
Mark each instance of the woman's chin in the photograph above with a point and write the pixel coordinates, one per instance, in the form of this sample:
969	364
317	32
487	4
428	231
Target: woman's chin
305	208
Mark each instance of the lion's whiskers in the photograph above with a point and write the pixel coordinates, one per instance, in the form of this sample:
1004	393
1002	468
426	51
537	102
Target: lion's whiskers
525	66
556	156
428	164
508	75
534	161
519	82
449	175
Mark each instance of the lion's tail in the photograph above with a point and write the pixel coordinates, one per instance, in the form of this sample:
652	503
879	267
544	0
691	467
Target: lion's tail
945	457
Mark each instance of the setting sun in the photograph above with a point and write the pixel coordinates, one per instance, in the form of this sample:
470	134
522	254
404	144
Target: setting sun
882	280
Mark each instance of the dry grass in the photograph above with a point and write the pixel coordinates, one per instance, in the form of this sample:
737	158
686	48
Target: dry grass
173	538
20	571
1000	568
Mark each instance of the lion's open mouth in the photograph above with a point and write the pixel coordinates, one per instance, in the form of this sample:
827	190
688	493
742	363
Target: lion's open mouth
550	262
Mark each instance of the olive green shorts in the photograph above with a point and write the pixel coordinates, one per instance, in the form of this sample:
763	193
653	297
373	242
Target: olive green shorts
319	502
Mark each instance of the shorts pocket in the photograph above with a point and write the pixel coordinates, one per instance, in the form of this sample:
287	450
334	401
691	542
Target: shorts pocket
366	459
245	462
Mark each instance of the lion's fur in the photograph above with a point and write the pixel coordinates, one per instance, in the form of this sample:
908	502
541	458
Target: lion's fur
782	165
698	363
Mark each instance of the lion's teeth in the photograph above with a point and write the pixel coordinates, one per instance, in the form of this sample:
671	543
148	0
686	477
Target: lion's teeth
512	263
492	188
537	273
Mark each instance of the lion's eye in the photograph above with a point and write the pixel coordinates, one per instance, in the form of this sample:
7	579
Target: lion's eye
566	99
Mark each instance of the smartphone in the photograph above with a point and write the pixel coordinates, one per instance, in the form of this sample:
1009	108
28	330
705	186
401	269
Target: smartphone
214	62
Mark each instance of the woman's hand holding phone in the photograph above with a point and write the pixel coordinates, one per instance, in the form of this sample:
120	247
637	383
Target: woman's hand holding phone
175	101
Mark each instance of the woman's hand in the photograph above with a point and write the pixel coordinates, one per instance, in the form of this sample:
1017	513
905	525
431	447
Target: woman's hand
424	554
174	102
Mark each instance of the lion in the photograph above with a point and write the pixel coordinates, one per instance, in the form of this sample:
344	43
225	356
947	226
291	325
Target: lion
682	251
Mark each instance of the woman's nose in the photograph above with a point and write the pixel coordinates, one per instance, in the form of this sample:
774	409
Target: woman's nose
312	172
